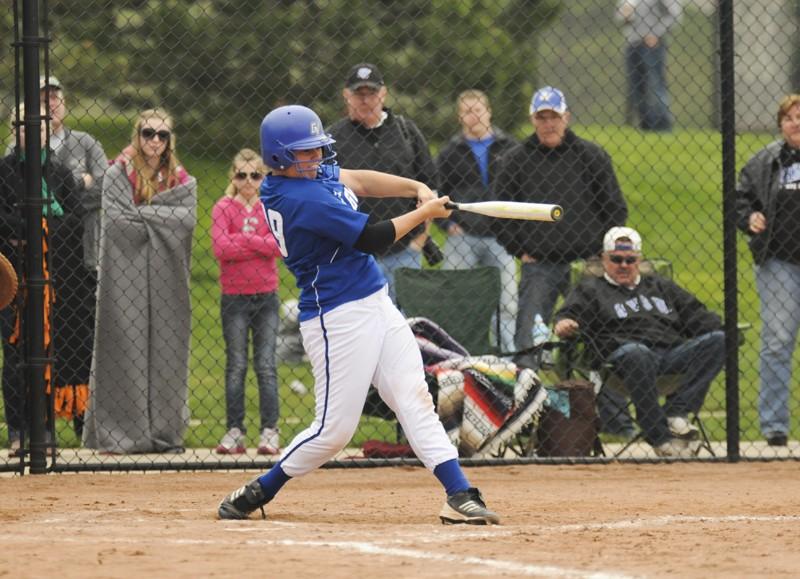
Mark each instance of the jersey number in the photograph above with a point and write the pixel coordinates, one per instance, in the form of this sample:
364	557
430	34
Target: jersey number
275	221
351	198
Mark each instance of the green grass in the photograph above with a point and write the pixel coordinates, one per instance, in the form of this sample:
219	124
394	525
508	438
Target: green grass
672	183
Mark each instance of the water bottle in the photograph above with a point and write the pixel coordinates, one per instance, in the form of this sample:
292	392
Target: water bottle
541	334
540	331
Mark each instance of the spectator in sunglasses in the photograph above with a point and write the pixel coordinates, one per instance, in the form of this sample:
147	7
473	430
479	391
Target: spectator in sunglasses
645	327
150	162
139	390
247	254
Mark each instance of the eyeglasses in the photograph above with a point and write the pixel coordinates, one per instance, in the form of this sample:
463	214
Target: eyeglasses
150	134
618	259
241	175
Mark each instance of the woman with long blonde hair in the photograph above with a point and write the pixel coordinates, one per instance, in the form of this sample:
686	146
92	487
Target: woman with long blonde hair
151	162
139	386
247	254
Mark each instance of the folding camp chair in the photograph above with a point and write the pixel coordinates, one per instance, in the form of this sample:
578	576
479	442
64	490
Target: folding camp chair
461	301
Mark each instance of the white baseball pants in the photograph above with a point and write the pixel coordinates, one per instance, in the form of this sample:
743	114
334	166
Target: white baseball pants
357	344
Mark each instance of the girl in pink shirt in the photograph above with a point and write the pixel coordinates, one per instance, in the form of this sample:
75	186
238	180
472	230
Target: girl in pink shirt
247	253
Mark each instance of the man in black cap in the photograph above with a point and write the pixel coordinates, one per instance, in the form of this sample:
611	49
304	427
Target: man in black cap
373	137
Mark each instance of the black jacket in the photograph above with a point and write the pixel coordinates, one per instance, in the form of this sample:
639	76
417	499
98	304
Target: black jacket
66	230
577	175
460	178
657	313
757	190
396	147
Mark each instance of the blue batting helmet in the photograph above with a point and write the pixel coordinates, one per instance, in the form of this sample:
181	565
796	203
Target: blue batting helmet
292	128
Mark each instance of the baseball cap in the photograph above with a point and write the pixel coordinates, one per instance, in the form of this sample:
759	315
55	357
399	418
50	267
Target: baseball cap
611	240
50	81
364	74
548	99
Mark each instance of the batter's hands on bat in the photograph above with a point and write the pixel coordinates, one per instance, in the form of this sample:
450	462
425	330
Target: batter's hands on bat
566	328
431	209
757	222
434	208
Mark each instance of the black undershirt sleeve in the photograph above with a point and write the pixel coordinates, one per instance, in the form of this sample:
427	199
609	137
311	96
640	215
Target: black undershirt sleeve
376	237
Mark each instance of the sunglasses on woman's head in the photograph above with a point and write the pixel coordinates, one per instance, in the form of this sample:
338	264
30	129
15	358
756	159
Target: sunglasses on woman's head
150	134
618	259
254	175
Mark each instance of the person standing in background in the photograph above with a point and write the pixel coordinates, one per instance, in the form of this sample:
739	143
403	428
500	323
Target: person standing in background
62	213
139	384
373	137
467	164
248	274
645	25
768	207
84	156
554	165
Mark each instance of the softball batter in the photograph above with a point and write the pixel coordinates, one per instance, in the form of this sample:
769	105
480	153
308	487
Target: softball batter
353	334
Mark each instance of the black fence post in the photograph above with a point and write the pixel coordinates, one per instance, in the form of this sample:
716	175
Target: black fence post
34	353
728	133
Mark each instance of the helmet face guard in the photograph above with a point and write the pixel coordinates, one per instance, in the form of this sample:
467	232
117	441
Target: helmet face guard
293	128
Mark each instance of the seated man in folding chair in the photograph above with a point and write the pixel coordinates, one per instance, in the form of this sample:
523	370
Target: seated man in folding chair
643	327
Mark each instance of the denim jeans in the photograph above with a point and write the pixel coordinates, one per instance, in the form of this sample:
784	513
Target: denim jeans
778	285
699	360
469	251
388	263
539	287
241	315
647	85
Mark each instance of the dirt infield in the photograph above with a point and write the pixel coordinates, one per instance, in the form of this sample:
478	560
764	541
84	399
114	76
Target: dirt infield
614	521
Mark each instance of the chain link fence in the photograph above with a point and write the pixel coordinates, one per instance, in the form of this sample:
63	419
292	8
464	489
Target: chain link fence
172	332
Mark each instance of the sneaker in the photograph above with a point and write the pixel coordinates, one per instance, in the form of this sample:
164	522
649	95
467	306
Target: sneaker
674	448
777	439
243	501
680	427
232	442
14	448
269	443
467	507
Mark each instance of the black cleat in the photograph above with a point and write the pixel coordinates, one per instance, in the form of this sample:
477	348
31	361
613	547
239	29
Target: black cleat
243	501
467	507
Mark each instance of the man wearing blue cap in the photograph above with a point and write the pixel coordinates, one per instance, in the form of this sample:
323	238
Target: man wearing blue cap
555	166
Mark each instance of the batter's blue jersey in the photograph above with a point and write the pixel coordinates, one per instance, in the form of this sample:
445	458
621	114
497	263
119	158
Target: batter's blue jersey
316	223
